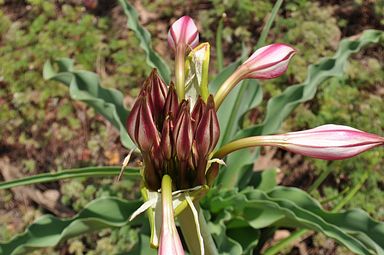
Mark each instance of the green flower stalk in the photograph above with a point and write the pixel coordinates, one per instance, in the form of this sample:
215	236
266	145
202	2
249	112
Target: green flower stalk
170	242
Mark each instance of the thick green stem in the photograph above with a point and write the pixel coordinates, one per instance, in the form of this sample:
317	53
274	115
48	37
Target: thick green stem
228	85
243	143
180	72
166	197
188	228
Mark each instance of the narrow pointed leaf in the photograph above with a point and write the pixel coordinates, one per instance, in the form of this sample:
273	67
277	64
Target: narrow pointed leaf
71	173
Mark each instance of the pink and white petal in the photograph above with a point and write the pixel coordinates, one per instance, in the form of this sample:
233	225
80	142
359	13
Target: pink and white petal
271	72
331	135
195	41
171	41
183	31
269	54
329	153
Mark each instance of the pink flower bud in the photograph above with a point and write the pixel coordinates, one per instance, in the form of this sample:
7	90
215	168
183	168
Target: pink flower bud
183	32
208	131
182	133
329	142
140	125
269	61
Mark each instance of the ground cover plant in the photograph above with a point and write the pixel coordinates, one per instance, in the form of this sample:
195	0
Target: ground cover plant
255	191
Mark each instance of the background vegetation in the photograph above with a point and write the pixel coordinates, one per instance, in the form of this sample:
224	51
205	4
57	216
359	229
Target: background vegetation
42	130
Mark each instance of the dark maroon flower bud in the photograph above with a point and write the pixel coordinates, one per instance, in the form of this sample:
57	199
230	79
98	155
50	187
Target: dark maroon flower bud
171	102
166	143
208	131
197	112
152	176
140	125
158	159
182	134
157	92
212	173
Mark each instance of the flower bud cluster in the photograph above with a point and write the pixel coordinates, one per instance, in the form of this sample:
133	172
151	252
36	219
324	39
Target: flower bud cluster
172	139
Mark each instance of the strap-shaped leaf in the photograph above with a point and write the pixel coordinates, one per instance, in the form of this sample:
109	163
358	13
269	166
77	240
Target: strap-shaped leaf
279	107
153	59
85	86
48	230
132	173
291	207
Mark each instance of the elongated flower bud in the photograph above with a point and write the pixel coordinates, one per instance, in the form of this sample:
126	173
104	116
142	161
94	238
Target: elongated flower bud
182	134
329	142
208	131
171	102
198	110
269	62
183	31
157	92
140	125
166	143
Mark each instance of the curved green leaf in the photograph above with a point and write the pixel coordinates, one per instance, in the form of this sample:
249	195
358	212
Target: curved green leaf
279	107
48	230
153	59
85	86
291	207
71	173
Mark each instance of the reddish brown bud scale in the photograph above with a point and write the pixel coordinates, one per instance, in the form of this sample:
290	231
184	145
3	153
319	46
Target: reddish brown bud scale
171	102
140	125
197	112
152	177
208	131
166	143
183	135
157	93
